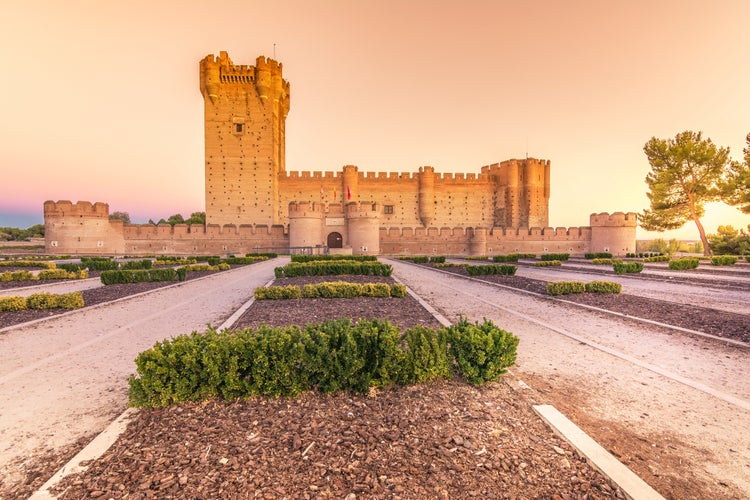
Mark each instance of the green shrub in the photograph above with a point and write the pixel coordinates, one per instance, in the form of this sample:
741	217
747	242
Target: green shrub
603	287
243	260
424	356
657	258
312	258
502	269
451	264
332	290
481	352
597	255
398	290
20	275
62	274
71	268
417	259
269	255
627	267
506	258
547	263
335	267
604	261
181	273
277	292
724	260
27	263
437	259
214	261
12	304
747	258
137	264
555	256
565	287
684	263
99	263
375	290
329	357
46	300
137	276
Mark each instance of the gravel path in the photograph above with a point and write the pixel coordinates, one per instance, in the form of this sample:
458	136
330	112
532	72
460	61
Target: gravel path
72	370
690	437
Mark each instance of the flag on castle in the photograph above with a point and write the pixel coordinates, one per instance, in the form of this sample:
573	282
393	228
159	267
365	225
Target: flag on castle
322	194
334	192
348	193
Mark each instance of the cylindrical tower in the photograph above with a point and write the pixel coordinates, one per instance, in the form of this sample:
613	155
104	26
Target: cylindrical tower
613	233
426	195
305	224
363	221
478	241
350	184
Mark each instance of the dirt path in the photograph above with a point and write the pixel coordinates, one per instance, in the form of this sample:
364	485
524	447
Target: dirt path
66	378
670	433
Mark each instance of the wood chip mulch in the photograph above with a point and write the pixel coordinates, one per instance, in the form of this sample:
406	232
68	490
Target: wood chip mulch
439	440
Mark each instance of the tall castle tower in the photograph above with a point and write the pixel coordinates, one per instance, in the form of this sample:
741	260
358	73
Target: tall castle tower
245	109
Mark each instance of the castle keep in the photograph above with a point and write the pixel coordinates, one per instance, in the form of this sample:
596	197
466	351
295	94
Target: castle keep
253	203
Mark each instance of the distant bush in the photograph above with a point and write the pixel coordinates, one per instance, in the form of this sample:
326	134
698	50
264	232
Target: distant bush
597	255
310	258
555	256
565	287
243	260
324	268
605	261
71	267
27	263
270	255
417	259
684	263
62	274
450	264
137	264
603	287
137	276
547	263
657	258
627	267
99	263
506	258
330	290
724	260
502	269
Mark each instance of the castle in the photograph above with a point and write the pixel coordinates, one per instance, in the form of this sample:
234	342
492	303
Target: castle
253	204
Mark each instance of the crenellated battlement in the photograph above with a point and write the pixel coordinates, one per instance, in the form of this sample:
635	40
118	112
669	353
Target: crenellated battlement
66	208
314	175
362	210
616	219
306	209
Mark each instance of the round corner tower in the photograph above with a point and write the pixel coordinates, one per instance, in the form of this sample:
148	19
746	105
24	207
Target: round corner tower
363	220
613	233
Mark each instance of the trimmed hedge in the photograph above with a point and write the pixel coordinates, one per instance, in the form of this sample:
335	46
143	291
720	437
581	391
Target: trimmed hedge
547	263
270	255
12	304
330	290
100	263
174	261
27	263
502	269
597	255
71	267
603	287
137	276
328	357
243	260
450	264
417	259
627	267
657	258
311	258
605	261
565	287
20	275
513	257
62	274
684	263
724	260
137	264
46	300
555	256
334	267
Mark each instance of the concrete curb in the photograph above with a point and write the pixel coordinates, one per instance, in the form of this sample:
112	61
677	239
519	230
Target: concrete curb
95	449
633	486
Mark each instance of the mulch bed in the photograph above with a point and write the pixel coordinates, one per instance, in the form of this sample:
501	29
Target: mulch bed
403	312
440	440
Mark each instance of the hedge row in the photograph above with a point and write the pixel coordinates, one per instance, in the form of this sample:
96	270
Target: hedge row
450	264
644	254
243	260
597	255
270	255
174	261
503	269
424	259
604	261
328	357
724	260
27	263
657	258
627	267
513	257
555	256
567	287
43	300
331	290
100	263
137	264
684	263
310	258
137	276
334	267
547	263
44	274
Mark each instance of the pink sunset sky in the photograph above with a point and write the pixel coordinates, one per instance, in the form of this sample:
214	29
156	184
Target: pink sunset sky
102	100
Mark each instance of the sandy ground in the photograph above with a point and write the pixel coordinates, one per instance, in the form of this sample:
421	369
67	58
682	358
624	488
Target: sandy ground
67	377
688	398
708	430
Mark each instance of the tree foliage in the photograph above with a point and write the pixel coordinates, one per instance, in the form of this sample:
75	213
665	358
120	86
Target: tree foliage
735	186
686	173
17	234
123	216
729	241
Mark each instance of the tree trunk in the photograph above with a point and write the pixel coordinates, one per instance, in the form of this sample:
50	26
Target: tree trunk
704	240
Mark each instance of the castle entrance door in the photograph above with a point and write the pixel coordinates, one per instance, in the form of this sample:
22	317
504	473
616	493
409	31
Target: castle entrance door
335	240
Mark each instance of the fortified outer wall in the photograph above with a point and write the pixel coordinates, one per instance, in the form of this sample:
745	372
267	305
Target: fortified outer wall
81	228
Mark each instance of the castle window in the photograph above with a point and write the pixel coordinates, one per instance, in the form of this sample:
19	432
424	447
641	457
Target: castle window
238	128
388	209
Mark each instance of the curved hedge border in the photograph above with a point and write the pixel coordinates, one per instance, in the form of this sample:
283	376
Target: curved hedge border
334	267
43	300
327	357
331	290
502	269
